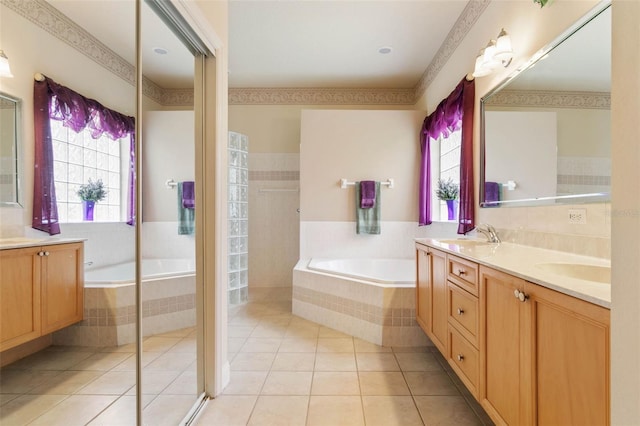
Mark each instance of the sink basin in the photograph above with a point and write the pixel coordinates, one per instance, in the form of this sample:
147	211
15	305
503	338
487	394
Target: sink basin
465	243
600	274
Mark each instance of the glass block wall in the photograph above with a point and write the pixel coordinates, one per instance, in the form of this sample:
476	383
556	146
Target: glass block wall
238	218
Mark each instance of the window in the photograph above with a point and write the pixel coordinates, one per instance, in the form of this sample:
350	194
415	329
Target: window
79	157
447	167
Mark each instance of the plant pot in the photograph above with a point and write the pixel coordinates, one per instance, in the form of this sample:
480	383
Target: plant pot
452	209
87	210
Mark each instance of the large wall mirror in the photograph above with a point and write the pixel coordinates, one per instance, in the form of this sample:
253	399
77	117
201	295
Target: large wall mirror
10	109
546	130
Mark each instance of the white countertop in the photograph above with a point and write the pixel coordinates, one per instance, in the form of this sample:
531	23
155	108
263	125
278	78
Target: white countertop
521	261
22	242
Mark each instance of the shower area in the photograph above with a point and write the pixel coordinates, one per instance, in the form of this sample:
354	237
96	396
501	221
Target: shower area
238	227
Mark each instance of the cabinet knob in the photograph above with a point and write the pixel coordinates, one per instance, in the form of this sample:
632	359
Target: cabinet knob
516	294
460	311
461	272
460	357
522	297
46	253
40	253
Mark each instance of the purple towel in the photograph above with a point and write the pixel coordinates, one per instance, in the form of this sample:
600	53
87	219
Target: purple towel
367	194
188	195
491	193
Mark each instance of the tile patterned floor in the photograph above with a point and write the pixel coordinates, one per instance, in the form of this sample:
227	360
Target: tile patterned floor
284	371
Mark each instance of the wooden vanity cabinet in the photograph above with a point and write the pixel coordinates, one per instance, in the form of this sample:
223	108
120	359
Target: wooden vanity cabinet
545	357
41	291
431	297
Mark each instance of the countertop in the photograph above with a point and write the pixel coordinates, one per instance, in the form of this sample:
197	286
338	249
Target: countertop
521	261
22	242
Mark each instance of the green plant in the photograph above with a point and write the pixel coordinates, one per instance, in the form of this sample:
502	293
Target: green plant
92	191
447	189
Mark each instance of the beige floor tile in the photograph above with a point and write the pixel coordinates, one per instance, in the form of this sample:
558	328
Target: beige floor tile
418	361
167	410
335	344
246	382
235	343
66	383
335	410
330	332
186	345
22	381
413	349
75	410
254	344
183	332
25	408
291	361
171	361
185	384
376	361
244	321
159	344
6	397
253	361
279	411
121	413
335	362
288	383
154	382
446	410
390	411
335	383
305	344
240	330
129	364
382	383
364	346
227	410
297	330
52	360
110	383
129	347
102	361
269	330
430	383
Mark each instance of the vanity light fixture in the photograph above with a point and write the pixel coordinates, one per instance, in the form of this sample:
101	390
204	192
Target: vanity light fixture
5	71
497	52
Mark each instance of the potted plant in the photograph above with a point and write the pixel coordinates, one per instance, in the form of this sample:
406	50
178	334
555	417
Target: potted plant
90	193
448	191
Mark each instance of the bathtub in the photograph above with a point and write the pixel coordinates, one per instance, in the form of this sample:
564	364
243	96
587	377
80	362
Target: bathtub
124	273
168	302
372	299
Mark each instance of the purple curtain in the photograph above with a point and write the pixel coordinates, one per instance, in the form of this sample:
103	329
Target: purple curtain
57	102
453	113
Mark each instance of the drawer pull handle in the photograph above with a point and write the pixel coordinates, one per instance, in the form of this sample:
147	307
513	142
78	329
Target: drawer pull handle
460	311
520	295
460	357
461	272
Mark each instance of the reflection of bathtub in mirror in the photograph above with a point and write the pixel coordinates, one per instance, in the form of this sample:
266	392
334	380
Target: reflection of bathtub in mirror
548	126
9	150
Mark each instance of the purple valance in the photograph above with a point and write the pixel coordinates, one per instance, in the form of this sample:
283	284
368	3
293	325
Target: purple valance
453	113
54	101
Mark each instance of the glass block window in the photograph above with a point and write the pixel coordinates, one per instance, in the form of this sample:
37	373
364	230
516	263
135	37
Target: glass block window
79	157
449	164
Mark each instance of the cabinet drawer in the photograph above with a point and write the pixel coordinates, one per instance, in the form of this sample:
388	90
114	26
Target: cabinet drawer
463	273
463	312
464	360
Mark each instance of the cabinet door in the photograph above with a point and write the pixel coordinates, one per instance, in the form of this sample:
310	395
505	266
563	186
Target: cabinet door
19	296
62	286
571	364
439	311
423	289
504	387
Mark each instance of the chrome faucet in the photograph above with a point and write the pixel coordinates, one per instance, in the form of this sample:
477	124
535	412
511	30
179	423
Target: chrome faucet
489	232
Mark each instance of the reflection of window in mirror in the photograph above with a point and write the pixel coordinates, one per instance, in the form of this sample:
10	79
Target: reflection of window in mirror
79	157
448	167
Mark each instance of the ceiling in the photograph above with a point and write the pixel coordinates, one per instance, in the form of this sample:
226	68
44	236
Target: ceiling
294	43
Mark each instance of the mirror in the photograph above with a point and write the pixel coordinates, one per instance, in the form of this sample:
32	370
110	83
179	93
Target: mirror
546	130
9	150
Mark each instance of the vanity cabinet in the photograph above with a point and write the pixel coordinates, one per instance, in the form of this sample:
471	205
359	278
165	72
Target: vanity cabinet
41	291
431	309
546	354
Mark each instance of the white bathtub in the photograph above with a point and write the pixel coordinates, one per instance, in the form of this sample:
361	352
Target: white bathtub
372	299
386	272
124	273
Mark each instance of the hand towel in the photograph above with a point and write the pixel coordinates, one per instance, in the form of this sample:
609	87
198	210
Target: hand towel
368	220
367	194
188	195
492	194
186	216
